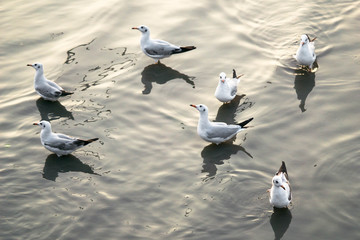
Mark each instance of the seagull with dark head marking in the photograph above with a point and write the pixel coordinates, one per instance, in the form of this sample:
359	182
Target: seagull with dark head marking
280	192
158	49
216	132
48	90
58	143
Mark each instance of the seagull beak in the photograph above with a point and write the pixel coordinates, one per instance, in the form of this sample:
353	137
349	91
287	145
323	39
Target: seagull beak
30	65
282	186
222	80
192	105
35	124
302	43
135	28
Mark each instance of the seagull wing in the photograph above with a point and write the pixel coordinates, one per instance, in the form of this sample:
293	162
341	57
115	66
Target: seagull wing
160	47
62	142
54	85
48	91
222	131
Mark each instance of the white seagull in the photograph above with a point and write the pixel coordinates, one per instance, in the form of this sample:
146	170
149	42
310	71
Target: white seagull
58	143
305	54
48	90
158	49
227	87
280	192
216	132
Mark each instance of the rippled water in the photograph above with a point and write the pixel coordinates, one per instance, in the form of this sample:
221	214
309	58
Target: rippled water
150	176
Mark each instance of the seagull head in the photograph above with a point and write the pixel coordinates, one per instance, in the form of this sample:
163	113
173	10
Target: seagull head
277	182
142	28
200	107
36	66
222	77
304	40
43	124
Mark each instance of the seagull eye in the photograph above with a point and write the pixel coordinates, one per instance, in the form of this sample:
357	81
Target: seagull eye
276	182
35	65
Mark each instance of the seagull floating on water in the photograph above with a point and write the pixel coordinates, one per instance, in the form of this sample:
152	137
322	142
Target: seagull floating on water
58	143
227	87
158	49
305	54
48	90
280	192
216	132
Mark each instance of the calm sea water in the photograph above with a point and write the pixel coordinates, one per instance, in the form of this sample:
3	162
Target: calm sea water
150	176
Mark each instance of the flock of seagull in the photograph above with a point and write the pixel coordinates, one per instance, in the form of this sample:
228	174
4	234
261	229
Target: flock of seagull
214	132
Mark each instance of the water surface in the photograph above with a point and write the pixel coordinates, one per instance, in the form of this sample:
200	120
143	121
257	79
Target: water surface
150	176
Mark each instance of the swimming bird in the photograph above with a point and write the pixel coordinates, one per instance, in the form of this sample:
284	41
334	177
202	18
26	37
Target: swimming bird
280	192
227	87
48	90
58	143
305	55
216	132
158	49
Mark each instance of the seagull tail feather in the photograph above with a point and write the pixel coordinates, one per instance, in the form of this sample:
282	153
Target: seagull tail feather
65	93
283	169
242	124
184	49
86	142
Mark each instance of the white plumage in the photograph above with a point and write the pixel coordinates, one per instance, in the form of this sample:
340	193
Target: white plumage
227	87
158	49
58	143
280	192
216	132
305	55
46	89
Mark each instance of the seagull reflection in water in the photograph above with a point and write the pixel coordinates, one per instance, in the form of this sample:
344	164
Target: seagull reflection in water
69	163
280	221
215	154
52	110
161	74
303	84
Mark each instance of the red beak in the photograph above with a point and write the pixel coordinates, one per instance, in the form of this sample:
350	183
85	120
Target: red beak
35	124
134	28
30	65
302	43
192	105
282	187
223	80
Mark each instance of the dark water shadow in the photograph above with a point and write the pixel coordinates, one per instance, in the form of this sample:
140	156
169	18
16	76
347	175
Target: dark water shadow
227	112
280	221
303	84
55	165
161	74
214	155
52	110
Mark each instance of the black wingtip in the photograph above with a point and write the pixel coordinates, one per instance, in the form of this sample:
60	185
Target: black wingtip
242	124
187	48
283	168
234	73
86	142
65	93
